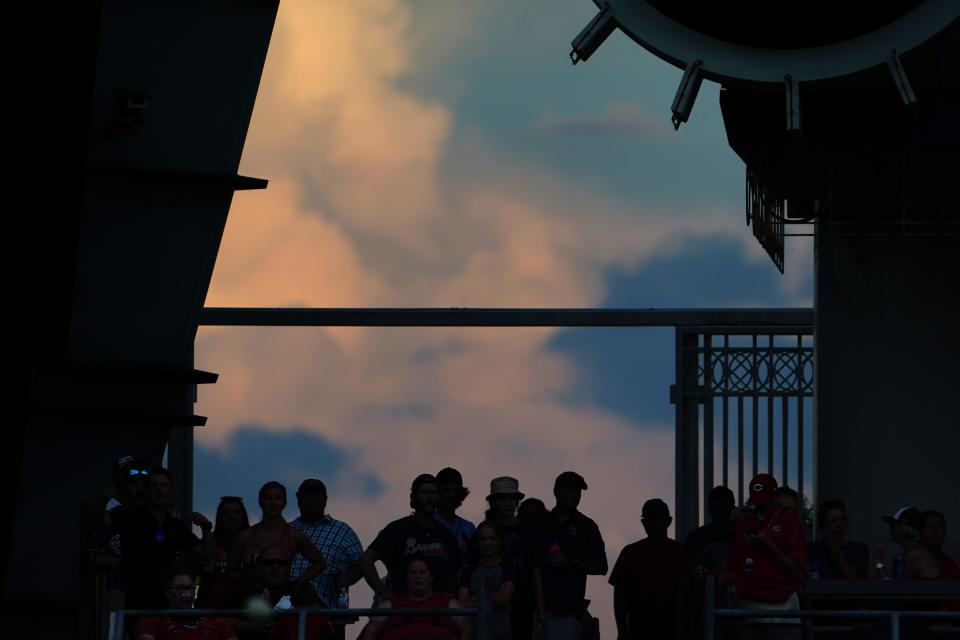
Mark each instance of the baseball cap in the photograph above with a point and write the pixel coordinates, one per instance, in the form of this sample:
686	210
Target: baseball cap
570	479
505	486
312	484
423	478
910	516
763	488
655	507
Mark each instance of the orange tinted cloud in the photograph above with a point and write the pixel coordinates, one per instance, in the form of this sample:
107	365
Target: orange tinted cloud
357	214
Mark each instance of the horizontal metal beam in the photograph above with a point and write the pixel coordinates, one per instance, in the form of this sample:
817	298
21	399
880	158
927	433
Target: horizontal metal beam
475	317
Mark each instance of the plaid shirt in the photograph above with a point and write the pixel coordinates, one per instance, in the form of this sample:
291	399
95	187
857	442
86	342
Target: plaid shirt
340	548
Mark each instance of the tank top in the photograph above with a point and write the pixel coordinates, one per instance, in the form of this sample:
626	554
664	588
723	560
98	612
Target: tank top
253	548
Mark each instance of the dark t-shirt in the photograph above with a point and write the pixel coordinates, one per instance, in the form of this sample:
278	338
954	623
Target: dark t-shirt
579	539
856	553
702	538
406	537
149	553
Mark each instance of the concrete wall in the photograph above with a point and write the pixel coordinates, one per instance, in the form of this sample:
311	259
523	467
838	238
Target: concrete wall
888	377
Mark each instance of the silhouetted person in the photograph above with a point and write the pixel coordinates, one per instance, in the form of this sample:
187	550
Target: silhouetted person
273	532
932	536
504	500
417	535
218	582
179	594
565	548
419	594
152	540
645	579
918	562
789	500
767	559
335	540
487	570
832	556
531	511
707	545
451	497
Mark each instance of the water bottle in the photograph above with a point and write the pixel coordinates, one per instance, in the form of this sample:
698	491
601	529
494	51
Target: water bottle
898	567
343	598
748	565
815	571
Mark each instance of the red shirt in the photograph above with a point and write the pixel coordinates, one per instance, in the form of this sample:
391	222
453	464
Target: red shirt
758	577
647	573
948	568
317	627
419	627
185	629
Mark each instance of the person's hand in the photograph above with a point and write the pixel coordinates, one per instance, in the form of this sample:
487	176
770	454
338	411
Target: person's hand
831	542
201	521
470	602
108	493
759	540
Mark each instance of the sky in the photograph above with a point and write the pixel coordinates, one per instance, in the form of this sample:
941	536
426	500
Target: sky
449	155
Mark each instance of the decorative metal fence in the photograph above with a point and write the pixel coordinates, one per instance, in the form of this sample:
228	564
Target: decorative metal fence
744	404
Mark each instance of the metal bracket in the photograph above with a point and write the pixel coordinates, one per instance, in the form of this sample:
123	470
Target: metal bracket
900	79
593	35
687	93
793	103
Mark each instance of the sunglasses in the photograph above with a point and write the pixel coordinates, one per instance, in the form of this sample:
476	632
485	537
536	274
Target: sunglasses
274	564
138	472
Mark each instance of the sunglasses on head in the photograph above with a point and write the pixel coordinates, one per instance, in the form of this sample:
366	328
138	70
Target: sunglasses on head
138	472
274	564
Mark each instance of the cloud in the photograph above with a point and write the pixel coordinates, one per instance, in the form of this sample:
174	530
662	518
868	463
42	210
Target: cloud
376	198
238	468
629	371
618	122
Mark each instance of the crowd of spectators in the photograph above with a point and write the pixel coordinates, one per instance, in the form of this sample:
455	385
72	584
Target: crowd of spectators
527	564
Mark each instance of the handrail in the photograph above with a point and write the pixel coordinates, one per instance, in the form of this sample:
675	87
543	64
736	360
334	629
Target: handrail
711	613
118	618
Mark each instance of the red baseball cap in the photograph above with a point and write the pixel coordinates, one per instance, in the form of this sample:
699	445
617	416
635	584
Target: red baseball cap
763	488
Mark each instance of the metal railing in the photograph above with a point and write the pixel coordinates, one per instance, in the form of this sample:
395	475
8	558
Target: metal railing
711	613
118	619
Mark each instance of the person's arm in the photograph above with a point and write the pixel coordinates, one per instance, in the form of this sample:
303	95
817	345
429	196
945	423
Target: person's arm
350	576
919	564
207	547
846	569
620	611
99	507
504	594
312	555
376	624
369	568
539	625
460	623
352	550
